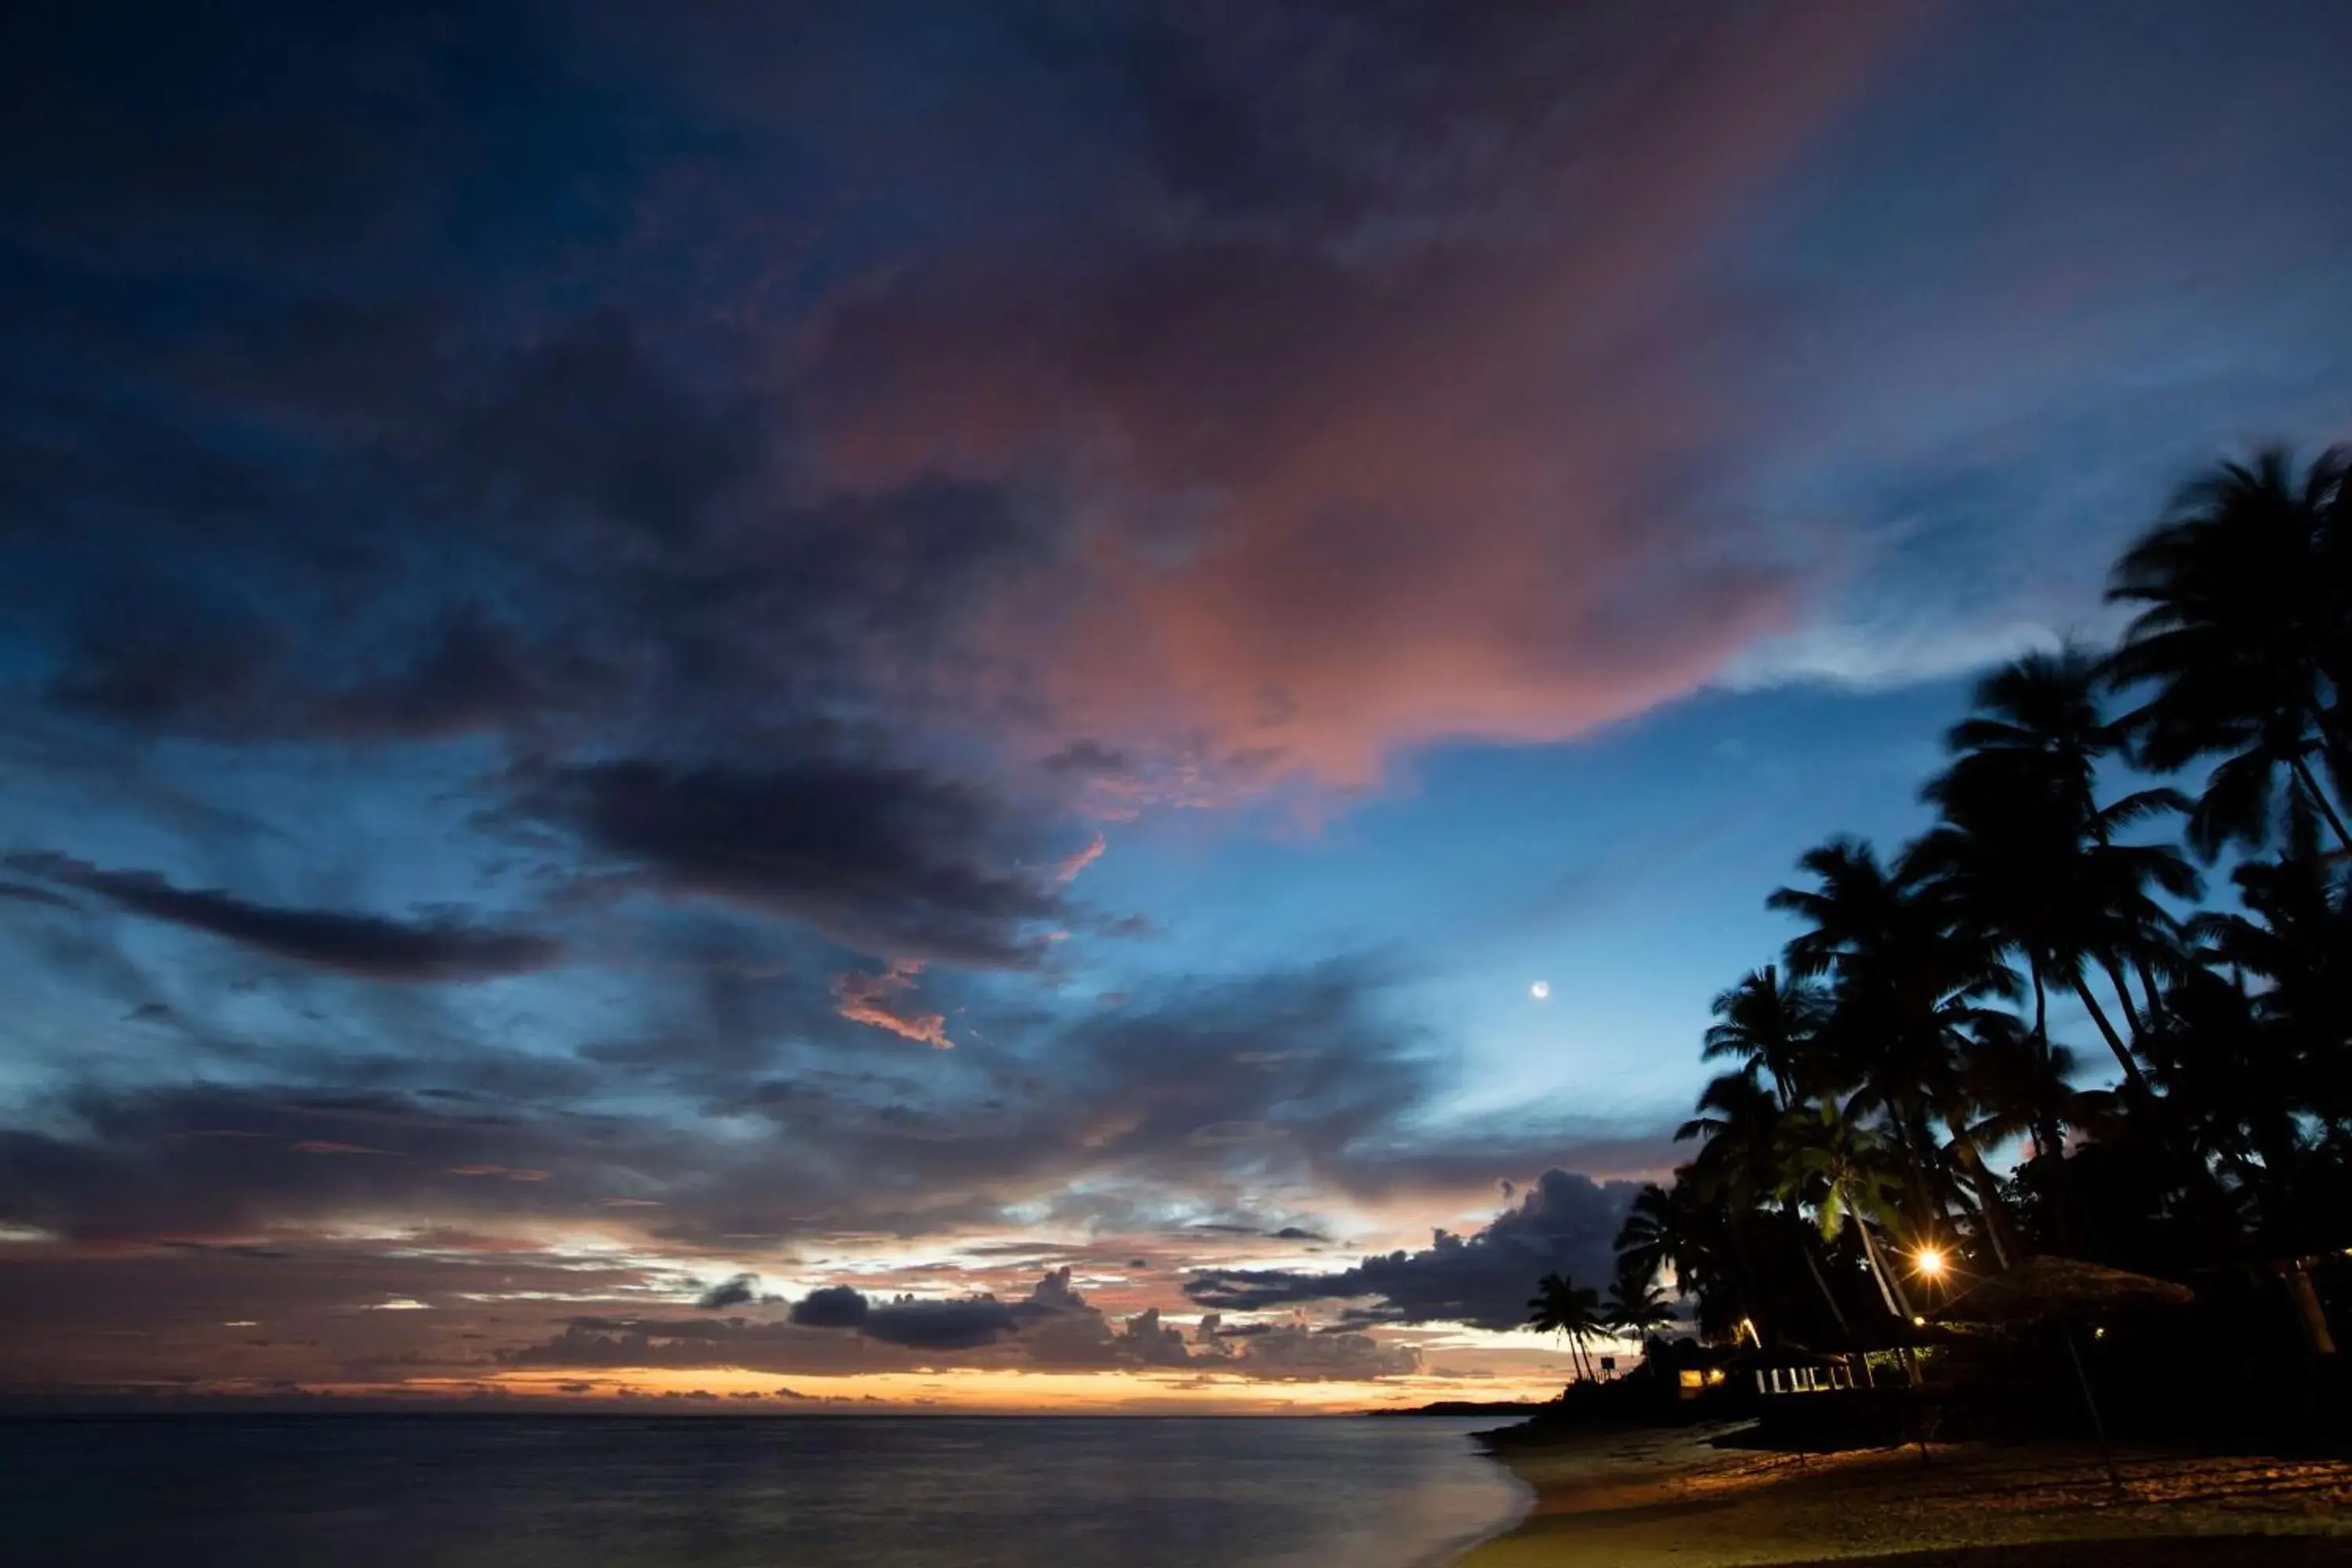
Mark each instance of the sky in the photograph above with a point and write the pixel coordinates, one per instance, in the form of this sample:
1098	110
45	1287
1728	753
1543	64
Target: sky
897	704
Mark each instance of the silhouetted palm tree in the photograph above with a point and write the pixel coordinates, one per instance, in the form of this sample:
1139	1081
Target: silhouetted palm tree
2021	1087
1843	1170
2242	641
1737	1118
1656	1236
2270	1058
1560	1306
1876	1073
1768	1024
1636	1307
1905	982
2025	860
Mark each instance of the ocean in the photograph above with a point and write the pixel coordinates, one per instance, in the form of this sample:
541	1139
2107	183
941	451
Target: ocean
583	1491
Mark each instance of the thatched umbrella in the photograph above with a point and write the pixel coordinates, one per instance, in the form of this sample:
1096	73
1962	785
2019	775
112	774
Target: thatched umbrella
2061	1292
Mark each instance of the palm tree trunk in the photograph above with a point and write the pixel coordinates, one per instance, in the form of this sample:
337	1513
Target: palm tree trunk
2204	1189
1896	1301
2309	1313
2123	994
2048	1136
1813	1268
2069	1221
1751	1294
2339	754
2156	1007
2319	798
1805	1238
1915	1147
1989	1204
1890	1291
2143	1029
2132	1075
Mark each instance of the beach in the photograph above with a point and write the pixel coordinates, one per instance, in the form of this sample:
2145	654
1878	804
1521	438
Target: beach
1660	1498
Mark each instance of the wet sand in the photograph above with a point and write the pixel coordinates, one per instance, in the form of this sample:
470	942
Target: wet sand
1669	1500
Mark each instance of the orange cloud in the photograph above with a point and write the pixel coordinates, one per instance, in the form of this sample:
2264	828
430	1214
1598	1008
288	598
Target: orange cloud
1065	871
869	998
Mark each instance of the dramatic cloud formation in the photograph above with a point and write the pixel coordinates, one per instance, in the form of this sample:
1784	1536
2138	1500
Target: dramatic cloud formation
366	945
1328	569
1053	1327
1566	1224
720	548
884	860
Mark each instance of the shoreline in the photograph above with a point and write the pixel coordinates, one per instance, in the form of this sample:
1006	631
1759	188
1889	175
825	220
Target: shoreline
1650	1499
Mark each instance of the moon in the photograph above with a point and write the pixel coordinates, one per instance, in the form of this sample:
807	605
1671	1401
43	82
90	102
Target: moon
1540	989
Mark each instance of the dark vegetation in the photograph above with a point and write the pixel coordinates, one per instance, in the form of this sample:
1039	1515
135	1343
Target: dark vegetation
2144	848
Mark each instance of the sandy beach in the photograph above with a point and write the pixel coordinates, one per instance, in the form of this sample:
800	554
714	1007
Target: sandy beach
1672	1498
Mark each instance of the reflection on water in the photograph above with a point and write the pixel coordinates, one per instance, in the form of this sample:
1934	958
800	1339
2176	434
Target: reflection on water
895	1492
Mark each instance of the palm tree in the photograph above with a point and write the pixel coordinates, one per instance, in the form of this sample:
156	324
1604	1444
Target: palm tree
1905	982
1636	1307
1560	1306
2020	1086
2038	725
2270	1057
1852	901
1770	1026
2238	1072
2025	860
1737	1118
1657	1235
2245	641
1842	1169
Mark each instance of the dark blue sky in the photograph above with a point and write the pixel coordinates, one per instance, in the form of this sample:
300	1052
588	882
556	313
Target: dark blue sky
581	593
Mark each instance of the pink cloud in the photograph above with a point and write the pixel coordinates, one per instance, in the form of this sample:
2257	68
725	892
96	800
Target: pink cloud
872	999
512	1172
1067	871
329	1146
1333	498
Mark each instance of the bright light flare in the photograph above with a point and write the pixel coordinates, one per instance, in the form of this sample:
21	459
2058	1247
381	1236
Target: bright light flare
1540	989
1930	1261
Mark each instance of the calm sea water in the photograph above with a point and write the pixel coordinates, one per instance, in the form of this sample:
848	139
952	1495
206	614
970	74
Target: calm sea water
590	1492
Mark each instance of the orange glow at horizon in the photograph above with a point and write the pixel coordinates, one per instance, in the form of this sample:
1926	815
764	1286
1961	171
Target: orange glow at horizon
968	1390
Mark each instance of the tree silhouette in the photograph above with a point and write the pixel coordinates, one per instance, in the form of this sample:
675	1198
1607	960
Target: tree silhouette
1906	1040
1636	1307
1768	1026
1560	1306
2241	639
